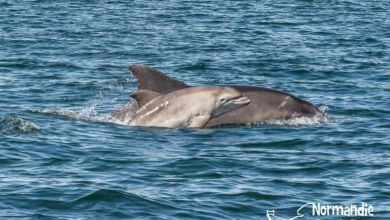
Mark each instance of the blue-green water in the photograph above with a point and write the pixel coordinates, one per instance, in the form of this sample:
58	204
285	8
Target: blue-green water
63	69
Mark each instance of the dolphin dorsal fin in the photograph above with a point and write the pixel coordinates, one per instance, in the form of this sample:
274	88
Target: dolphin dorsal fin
154	80
144	96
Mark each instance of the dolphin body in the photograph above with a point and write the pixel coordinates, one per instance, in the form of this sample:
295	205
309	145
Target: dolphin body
266	104
189	107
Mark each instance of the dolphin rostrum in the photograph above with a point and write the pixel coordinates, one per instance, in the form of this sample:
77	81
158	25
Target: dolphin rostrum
189	107
266	104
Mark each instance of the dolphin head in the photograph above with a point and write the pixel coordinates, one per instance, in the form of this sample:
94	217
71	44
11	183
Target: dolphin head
228	99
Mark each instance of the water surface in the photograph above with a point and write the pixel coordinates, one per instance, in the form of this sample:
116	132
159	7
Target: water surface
63	69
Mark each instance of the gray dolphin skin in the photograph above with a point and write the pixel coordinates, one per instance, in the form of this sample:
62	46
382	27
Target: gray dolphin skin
266	104
189	107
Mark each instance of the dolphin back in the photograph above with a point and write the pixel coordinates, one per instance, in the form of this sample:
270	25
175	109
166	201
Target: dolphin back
154	80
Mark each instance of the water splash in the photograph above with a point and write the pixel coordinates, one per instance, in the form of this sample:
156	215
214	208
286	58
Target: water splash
14	124
124	114
321	118
107	94
301	121
85	114
324	109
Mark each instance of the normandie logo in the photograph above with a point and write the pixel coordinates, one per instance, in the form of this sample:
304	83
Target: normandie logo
318	210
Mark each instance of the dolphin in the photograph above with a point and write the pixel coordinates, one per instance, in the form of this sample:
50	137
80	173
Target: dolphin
266	104
190	107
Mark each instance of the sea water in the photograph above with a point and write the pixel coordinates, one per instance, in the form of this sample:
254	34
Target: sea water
64	69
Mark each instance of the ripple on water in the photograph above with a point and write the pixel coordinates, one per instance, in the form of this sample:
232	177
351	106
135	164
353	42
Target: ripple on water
17	125
131	203
68	61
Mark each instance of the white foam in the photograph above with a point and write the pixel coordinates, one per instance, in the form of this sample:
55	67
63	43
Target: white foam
305	120
17	125
87	113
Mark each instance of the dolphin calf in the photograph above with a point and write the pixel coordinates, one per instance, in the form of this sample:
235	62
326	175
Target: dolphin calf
189	107
266	104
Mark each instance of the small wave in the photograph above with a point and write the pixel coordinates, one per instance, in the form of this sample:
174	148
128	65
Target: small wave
299	121
252	195
35	63
85	114
110	196
195	66
104	195
321	118
124	114
13	124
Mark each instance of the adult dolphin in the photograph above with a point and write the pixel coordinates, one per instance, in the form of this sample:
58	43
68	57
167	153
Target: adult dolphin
189	107
266	104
